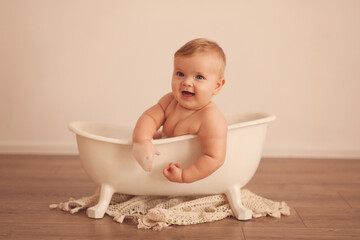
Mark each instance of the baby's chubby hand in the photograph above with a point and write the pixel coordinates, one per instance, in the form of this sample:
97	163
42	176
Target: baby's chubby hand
144	153
173	172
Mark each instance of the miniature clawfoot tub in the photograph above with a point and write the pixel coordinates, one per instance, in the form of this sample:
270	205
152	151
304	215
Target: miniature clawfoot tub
106	154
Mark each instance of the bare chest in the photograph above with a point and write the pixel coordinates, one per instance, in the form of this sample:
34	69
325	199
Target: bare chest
180	122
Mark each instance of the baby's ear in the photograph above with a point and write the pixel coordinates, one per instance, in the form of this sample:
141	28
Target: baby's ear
219	85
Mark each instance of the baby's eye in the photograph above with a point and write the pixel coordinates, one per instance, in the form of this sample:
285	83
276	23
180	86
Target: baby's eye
180	74
199	77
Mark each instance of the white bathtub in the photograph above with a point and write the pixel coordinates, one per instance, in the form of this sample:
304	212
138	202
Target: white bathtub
106	154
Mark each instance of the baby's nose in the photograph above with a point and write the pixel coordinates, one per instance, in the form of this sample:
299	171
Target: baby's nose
187	81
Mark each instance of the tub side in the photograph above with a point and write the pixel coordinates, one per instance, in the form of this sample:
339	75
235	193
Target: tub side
102	132
104	162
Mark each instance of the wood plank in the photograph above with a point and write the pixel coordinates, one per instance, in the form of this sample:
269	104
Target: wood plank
307	175
289	185
321	178
330	217
351	197
94	230
301	233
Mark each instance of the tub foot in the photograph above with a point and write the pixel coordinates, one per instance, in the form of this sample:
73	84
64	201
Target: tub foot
99	209
233	195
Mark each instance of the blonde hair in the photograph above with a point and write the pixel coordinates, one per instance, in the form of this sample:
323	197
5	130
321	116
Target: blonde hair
202	45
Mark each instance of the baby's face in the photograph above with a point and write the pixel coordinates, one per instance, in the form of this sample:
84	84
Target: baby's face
196	79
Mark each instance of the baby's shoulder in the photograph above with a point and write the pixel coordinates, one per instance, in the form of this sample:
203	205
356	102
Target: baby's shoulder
212	115
165	101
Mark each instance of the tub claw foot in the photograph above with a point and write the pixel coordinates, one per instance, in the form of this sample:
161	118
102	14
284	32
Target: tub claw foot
98	211
234	197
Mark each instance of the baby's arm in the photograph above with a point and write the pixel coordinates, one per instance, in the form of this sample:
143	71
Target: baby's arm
212	134
146	126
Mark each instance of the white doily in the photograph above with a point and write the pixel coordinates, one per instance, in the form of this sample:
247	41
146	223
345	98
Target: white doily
154	212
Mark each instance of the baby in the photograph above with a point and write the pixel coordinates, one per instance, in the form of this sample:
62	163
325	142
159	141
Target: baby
198	75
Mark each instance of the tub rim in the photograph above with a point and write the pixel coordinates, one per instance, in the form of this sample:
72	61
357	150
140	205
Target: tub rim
263	118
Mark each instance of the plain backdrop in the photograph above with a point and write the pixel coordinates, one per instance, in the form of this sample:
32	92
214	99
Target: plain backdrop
109	60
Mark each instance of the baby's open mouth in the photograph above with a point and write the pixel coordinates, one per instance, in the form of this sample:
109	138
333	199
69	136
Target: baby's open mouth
187	94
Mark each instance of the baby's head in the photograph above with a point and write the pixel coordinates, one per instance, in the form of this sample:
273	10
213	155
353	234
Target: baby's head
198	73
202	46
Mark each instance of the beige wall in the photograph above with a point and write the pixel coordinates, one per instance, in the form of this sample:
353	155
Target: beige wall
65	60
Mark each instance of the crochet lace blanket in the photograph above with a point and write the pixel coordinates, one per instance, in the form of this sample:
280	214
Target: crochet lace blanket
154	212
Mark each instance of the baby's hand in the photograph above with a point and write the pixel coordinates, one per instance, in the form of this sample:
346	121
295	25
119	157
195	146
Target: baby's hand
144	153
173	172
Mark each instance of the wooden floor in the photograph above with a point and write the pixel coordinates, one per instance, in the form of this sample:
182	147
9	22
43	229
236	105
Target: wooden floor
324	196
